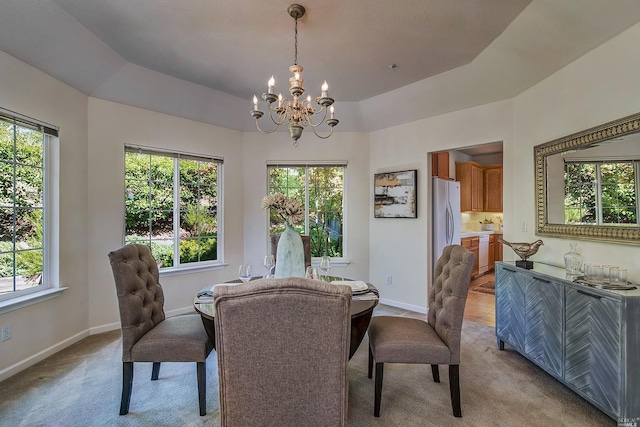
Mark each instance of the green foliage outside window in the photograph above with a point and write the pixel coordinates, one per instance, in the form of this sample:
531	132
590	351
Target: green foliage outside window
614	204
153	197
321	190
21	204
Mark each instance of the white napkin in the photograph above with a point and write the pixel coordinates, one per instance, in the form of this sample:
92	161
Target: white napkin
206	294
368	296
356	285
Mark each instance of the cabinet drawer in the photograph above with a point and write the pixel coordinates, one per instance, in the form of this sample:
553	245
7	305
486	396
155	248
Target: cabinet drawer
470	242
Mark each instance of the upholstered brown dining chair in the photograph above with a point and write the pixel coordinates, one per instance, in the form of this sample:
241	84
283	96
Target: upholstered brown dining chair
306	244
435	342
283	347
147	336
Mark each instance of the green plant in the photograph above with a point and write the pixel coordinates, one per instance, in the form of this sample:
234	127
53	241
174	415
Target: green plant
194	250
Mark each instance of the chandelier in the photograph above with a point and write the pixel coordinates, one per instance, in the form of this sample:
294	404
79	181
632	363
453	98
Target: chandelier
295	112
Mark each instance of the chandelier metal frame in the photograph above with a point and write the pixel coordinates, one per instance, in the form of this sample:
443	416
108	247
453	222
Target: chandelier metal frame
295	112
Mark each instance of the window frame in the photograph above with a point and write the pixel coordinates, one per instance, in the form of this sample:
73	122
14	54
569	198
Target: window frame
176	156
50	287
315	260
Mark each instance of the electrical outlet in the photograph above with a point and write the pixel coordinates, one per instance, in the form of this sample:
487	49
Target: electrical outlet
524	225
6	332
389	280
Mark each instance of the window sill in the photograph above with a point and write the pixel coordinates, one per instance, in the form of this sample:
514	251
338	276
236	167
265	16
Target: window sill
335	262
29	299
168	272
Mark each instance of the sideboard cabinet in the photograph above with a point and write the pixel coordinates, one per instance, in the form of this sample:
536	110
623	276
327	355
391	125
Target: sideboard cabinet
587	338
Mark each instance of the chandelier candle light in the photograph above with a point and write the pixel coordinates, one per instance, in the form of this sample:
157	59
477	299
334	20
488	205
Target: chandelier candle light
293	111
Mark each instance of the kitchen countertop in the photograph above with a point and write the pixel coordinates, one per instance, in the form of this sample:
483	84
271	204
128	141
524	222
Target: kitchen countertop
478	233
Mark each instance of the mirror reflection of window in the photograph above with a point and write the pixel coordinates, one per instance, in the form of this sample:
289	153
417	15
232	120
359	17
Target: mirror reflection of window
601	193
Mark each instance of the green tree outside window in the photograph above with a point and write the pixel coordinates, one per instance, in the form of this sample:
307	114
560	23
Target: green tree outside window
171	204
320	189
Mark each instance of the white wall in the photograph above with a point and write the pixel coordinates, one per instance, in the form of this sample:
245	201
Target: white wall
113	125
401	248
46	326
597	88
350	147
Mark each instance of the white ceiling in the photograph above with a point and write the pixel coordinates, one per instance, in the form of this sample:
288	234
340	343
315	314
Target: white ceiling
204	59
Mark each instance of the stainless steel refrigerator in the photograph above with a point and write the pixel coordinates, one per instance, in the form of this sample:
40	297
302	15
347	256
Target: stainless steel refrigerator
446	215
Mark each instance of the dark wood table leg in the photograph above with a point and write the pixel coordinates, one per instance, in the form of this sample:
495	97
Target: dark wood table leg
208	326
359	325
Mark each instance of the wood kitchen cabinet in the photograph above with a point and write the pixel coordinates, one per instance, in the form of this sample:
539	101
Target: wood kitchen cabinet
493	188
471	177
480	187
440	164
492	251
472	244
497	250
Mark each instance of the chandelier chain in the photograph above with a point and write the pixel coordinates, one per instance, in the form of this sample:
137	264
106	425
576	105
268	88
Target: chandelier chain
295	59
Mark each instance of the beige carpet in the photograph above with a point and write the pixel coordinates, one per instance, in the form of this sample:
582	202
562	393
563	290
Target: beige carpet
81	386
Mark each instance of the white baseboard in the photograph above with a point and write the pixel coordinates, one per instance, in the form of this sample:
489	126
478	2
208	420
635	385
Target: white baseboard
104	328
403	305
30	361
116	325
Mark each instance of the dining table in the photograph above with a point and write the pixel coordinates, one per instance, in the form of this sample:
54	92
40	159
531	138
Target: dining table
363	301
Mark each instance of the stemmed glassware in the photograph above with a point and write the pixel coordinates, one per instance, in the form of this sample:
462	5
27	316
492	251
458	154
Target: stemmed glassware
269	263
245	272
325	264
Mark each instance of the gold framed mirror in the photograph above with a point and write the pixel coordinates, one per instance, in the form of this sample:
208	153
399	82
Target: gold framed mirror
573	177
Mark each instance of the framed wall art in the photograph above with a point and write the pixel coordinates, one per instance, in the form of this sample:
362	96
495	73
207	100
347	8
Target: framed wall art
395	194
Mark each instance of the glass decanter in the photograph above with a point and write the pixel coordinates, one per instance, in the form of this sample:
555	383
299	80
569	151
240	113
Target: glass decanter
573	260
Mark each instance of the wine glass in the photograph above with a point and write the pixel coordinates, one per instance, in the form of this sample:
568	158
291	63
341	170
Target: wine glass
325	264
269	263
245	272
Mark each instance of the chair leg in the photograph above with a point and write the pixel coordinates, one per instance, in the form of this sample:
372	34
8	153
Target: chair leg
378	387
370	371
202	387
155	371
436	373
454	387
127	384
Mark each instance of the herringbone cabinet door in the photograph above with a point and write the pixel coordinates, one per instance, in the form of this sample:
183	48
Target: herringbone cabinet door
543	320
593	347
510	306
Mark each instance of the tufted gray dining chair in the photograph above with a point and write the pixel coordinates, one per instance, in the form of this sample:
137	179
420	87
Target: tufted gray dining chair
283	347
435	342
306	244
147	336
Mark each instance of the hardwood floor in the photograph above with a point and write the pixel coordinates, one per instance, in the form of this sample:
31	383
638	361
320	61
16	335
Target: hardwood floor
480	307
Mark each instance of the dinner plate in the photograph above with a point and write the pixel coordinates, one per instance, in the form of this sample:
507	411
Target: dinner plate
357	286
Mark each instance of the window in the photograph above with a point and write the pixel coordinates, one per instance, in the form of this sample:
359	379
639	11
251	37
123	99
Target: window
320	189
26	205
602	193
172	204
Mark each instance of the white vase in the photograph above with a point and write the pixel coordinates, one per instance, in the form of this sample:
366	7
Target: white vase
290	254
